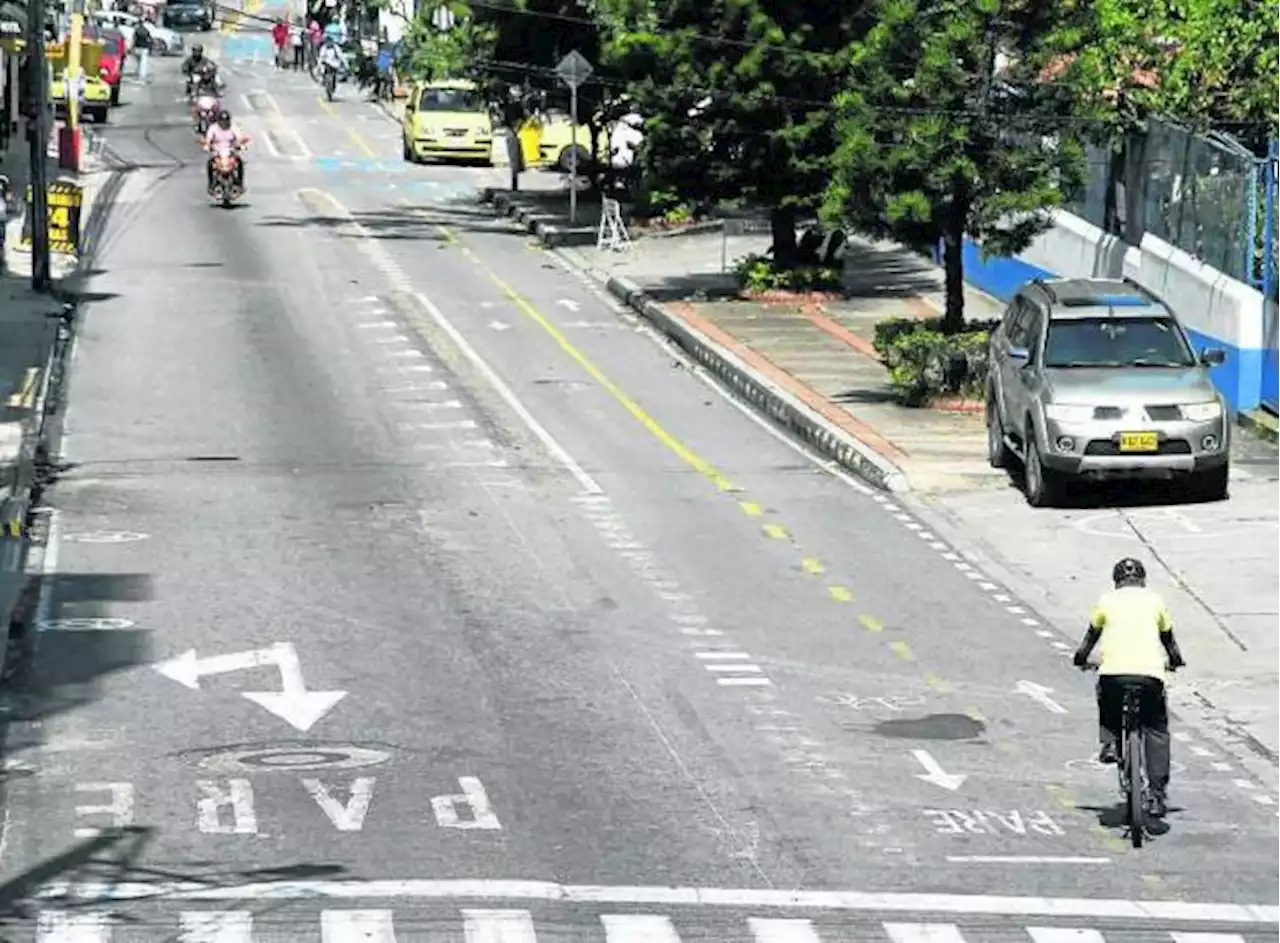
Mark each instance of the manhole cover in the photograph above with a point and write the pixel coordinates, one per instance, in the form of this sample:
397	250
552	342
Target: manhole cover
294	757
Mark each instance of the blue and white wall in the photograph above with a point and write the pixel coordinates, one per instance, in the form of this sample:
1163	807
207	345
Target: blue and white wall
1216	310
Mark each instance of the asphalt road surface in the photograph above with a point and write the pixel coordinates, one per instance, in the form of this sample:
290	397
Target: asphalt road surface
399	588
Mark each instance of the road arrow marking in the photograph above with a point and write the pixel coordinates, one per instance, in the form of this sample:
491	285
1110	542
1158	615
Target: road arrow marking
499	326
293	704
571	305
934	773
1040	694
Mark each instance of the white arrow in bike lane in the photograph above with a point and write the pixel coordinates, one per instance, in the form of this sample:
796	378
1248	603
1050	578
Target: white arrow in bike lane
293	704
934	773
1040	694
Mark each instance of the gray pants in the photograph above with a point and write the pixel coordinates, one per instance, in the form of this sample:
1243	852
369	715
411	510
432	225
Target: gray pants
1154	713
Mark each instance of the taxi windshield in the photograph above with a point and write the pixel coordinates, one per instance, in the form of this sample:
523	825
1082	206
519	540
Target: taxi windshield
451	99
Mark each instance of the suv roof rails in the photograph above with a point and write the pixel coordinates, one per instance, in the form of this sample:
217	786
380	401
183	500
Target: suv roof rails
1043	283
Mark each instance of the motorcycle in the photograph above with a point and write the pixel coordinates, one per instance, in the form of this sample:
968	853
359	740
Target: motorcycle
330	81
206	109
226	167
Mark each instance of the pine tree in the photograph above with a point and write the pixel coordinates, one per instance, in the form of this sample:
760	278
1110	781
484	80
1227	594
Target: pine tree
933	147
735	95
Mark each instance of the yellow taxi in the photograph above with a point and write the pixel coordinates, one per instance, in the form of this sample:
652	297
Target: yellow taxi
556	136
447	120
95	94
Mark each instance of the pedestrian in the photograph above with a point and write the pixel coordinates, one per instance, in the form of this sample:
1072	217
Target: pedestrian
280	38
296	40
142	51
315	36
6	194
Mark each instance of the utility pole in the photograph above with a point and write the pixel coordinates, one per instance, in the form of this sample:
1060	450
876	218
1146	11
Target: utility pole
38	135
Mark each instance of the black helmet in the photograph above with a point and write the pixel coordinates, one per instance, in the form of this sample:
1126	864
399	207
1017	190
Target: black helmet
197	52
224	119
1129	572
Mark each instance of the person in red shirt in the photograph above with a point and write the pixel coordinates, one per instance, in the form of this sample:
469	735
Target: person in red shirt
280	36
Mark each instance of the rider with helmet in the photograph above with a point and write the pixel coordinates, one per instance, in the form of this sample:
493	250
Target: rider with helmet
225	135
195	63
1135	630
331	57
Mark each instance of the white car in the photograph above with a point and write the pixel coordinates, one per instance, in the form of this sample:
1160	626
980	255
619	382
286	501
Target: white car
164	41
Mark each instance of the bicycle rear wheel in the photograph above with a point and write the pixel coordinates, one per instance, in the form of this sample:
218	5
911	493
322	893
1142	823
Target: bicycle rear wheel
1133	788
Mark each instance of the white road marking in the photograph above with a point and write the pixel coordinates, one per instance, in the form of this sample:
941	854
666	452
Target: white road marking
417	404
216	926
722	656
58	927
587	483
923	933
1206	937
744	682
638	928
498	926
120	808
238	797
348	816
1094	908
1025	859
357	926
444	426
472	796
767	930
1064	935
746	669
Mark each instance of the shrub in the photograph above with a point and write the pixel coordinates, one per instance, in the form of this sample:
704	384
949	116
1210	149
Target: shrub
925	363
757	274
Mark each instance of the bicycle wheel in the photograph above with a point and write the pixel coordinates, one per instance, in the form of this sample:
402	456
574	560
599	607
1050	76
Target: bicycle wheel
1133	787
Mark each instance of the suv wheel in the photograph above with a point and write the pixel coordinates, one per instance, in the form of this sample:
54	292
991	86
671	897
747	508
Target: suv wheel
1212	485
1042	485
997	452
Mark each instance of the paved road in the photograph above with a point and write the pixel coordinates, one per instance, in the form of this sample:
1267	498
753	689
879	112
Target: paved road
389	555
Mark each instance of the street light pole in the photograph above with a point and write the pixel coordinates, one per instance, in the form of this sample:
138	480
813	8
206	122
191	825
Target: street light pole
38	134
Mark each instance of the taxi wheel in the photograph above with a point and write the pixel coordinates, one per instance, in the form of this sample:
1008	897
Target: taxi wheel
98	113
406	151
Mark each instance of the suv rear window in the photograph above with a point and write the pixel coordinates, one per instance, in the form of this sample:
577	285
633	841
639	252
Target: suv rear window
1116	342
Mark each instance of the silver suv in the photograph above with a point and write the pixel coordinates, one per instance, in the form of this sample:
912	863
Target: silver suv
1095	378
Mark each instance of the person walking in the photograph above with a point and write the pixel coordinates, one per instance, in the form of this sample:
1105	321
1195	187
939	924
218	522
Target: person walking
297	39
142	51
280	39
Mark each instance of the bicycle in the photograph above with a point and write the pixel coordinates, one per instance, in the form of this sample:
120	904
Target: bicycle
1131	763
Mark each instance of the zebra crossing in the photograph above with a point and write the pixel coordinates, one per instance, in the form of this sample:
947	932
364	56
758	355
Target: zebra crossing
475	925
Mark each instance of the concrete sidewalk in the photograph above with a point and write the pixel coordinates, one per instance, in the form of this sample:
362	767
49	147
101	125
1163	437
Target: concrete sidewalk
812	370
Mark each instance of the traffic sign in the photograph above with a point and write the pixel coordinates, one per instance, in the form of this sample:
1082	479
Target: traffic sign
574	69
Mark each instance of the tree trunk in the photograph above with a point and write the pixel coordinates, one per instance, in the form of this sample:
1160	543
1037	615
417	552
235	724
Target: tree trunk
782	225
953	267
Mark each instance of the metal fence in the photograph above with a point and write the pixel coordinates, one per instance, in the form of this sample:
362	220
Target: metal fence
1206	194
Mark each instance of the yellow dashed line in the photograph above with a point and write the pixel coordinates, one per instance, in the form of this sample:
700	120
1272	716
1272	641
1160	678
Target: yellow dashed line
776	531
840	593
975	715
812	565
902	650
750	508
25	395
871	623
936	682
674	445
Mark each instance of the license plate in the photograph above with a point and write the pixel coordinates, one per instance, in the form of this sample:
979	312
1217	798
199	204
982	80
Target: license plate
456	134
1139	442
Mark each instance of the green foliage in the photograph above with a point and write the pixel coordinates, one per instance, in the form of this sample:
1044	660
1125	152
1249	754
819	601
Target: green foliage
758	274
678	215
431	54
930	148
925	363
734	94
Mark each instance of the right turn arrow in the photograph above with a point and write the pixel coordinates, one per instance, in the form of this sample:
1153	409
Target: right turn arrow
934	773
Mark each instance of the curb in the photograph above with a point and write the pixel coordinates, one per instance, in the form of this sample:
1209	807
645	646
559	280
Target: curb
762	394
1260	423
544	226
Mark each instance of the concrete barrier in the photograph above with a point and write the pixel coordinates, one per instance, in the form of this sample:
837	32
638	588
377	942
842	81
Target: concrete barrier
1217	311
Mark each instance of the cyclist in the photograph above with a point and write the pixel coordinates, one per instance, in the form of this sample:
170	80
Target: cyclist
1136	631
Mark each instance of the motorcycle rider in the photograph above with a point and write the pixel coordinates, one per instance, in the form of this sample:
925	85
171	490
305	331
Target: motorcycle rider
225	135
331	57
194	63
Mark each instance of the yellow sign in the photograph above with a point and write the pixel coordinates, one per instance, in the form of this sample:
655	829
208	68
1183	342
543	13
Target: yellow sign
65	202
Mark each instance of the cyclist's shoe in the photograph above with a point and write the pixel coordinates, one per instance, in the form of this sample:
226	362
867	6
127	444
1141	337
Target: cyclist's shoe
1158	808
1108	754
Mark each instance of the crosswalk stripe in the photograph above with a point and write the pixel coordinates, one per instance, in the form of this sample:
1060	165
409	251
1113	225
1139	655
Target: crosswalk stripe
498	926
1179	937
216	926
923	933
357	926
767	930
53	926
1064	935
638	928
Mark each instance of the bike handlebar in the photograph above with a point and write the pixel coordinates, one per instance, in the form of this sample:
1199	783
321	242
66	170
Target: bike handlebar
1093	666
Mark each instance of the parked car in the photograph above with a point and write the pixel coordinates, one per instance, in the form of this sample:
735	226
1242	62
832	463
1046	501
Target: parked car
95	98
446	120
164	41
188	14
113	59
1095	378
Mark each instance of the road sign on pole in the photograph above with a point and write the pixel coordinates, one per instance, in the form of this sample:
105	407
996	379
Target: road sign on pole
573	71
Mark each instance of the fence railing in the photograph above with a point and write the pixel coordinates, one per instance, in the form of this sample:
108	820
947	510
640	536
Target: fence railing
1206	194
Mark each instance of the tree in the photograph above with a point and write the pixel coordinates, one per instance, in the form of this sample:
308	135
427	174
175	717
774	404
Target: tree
735	96
933	148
